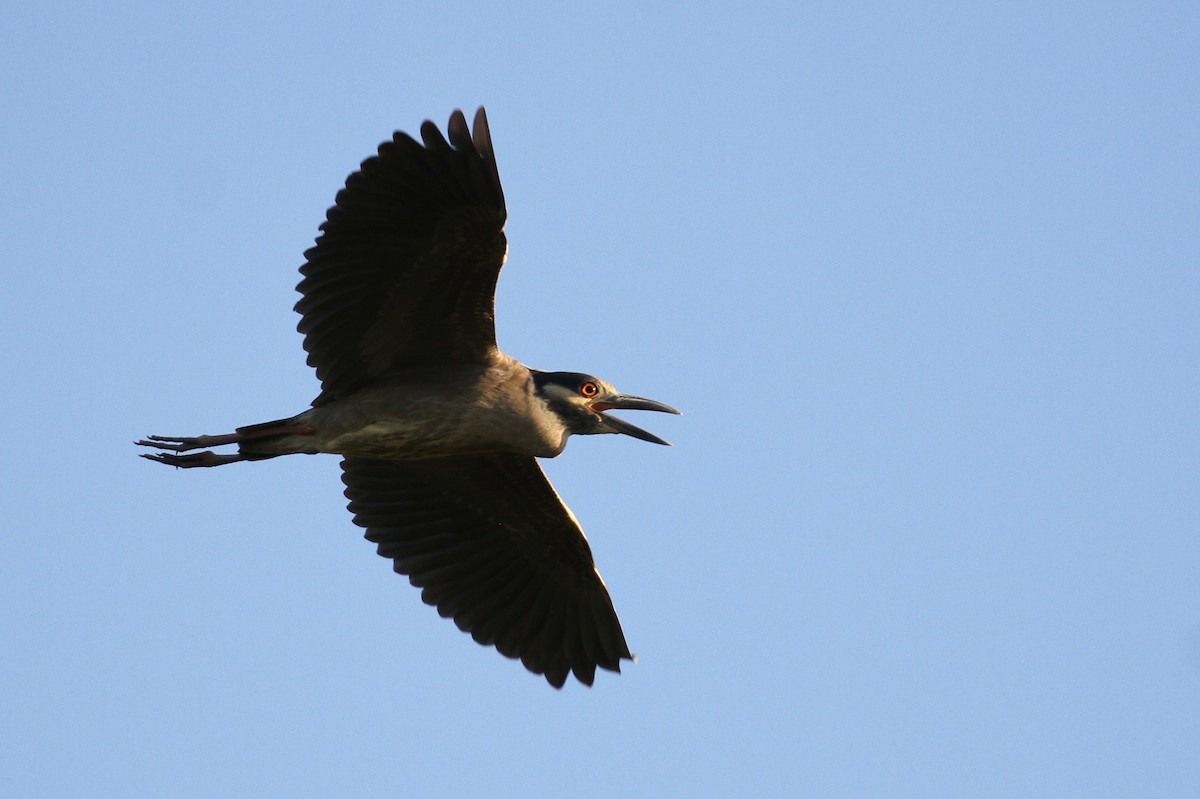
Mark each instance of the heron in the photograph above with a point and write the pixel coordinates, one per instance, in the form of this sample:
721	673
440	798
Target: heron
439	431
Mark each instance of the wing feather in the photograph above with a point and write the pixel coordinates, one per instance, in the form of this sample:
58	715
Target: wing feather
492	546
404	271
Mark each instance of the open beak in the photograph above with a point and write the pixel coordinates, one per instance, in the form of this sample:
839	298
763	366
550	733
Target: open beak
624	402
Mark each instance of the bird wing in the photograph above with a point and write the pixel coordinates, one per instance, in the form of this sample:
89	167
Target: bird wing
404	271
492	546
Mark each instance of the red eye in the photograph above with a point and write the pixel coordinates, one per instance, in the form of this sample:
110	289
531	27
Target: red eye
589	389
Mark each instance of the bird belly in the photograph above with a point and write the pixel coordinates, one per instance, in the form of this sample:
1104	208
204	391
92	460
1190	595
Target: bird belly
432	432
398	439
436	412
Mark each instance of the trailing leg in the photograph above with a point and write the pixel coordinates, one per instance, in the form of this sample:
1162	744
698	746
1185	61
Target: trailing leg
206	458
255	442
187	443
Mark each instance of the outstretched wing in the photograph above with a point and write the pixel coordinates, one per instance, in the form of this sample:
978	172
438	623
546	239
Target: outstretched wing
492	546
404	272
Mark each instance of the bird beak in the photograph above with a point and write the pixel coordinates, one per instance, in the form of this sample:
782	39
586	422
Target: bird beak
624	402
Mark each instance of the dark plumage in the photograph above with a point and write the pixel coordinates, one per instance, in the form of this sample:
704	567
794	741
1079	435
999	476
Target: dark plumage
438	429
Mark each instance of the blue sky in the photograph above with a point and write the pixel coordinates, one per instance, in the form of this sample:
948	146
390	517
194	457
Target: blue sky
923	278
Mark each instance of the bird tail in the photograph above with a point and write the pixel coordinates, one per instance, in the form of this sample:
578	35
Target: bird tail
251	434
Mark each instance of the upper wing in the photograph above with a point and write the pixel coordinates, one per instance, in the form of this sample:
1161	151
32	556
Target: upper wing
491	545
405	269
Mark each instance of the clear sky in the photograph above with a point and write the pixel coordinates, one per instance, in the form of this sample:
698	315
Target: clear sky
924	279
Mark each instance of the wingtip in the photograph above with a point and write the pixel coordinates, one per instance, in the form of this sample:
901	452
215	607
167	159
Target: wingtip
481	135
457	128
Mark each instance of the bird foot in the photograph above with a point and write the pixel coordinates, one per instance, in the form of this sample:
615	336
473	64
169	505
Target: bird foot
175	444
206	458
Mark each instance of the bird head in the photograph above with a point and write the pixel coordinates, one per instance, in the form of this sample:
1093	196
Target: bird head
580	401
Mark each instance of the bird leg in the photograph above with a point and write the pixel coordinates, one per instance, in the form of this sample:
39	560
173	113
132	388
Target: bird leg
184	444
206	458
251	433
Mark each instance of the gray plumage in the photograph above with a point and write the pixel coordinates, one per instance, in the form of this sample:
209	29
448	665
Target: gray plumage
438	429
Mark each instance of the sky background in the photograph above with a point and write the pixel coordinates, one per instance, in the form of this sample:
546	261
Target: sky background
924	279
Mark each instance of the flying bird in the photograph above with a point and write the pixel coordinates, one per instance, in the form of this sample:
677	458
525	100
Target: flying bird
439	431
